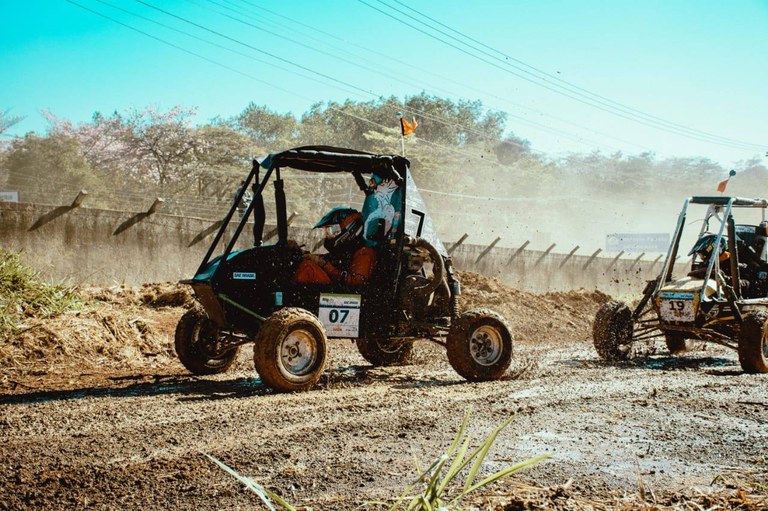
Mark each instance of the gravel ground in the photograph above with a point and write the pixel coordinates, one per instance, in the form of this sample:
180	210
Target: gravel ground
137	439
96	413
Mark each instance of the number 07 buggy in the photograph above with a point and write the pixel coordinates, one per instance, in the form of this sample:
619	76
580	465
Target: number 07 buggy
251	295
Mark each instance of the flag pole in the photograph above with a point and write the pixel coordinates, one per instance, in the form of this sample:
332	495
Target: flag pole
402	134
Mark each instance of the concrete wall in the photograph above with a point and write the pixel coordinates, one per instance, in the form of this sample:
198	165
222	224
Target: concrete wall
100	247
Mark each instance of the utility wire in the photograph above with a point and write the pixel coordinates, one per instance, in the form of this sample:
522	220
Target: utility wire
563	91
542	127
424	114
342	111
569	84
443	78
222	47
254	48
212	61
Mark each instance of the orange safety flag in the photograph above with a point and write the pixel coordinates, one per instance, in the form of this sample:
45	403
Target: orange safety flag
722	184
406	128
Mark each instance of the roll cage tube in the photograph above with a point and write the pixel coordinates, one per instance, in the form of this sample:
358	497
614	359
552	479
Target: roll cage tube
714	258
280	211
669	262
228	217
734	259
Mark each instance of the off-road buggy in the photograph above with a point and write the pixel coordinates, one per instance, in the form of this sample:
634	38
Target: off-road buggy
251	296
723	299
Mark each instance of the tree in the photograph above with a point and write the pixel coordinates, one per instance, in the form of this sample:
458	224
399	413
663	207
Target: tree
511	149
102	140
7	121
50	166
265	127
161	145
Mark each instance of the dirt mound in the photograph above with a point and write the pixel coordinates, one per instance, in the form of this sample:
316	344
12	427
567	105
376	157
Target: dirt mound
119	327
534	317
162	294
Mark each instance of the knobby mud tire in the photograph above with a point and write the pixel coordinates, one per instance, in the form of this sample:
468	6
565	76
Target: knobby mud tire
612	331
290	350
753	345
479	345
195	332
379	352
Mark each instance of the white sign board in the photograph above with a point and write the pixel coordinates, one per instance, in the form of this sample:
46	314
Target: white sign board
9	196
340	314
637	242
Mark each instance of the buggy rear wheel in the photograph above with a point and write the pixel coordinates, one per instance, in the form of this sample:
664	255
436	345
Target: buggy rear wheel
290	350
753	345
197	344
384	352
677	343
479	345
612	331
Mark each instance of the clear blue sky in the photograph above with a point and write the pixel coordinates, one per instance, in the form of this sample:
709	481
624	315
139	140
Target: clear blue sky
699	64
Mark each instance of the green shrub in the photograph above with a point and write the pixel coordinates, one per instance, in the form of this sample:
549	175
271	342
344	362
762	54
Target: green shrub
23	295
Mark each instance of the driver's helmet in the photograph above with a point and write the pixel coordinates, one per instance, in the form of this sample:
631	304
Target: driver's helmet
706	244
343	226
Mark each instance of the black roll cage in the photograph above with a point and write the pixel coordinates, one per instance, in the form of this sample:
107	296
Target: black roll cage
321	159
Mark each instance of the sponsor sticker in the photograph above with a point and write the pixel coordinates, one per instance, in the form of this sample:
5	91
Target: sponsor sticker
244	275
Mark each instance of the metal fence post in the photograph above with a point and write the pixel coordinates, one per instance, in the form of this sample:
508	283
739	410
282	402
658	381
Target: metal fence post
544	254
488	249
570	254
155	206
517	252
458	243
79	199
637	260
615	259
591	258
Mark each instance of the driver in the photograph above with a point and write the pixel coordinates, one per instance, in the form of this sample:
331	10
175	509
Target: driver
348	261
701	252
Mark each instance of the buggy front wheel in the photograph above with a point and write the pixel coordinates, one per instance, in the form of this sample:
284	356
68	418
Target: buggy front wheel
479	345
612	331
290	349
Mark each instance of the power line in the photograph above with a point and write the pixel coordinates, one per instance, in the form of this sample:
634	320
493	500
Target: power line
231	50
423	114
558	79
215	62
587	98
448	79
229	67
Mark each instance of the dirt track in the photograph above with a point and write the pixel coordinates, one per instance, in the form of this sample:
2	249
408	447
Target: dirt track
135	438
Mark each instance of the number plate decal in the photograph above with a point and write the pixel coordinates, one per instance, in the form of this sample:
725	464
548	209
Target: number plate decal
340	314
677	307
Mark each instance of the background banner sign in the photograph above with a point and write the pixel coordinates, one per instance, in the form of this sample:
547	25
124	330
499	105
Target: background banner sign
637	242
9	196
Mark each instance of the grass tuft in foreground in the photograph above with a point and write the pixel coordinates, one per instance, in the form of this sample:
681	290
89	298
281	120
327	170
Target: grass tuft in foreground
437	488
